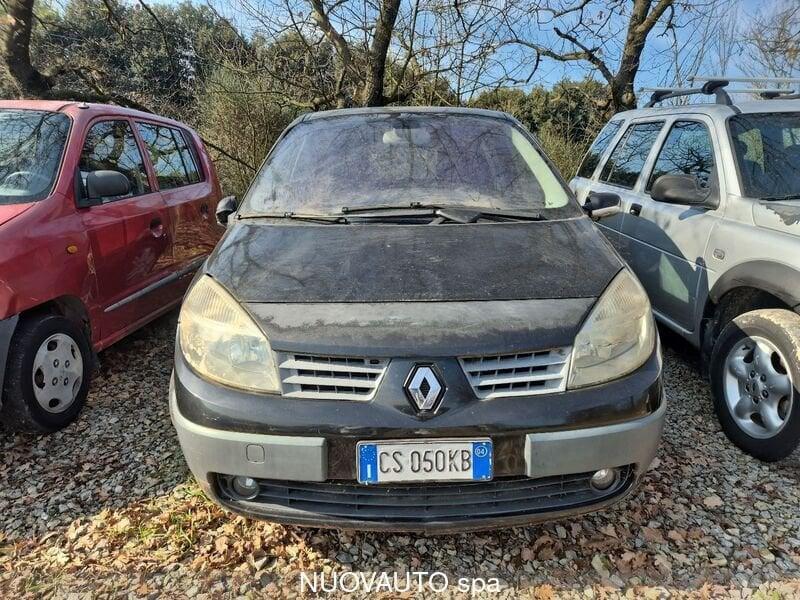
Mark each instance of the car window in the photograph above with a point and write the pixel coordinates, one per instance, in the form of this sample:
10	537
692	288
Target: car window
111	146
687	150
172	160
767	151
189	155
327	165
601	142
627	160
31	146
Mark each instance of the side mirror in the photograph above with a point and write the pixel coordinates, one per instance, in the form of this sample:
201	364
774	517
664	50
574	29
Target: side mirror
601	204
105	184
225	208
680	189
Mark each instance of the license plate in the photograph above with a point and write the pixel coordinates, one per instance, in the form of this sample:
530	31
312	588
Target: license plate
424	460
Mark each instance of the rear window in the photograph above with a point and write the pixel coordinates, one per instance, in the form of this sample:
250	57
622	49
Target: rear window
31	145
627	160
598	147
173	161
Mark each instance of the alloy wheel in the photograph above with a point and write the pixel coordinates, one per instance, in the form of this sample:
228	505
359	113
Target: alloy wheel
758	387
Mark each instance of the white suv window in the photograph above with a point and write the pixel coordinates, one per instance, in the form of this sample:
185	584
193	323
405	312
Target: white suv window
627	160
687	150
601	142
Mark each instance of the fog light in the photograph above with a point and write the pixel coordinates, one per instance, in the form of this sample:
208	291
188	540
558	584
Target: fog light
245	487
604	479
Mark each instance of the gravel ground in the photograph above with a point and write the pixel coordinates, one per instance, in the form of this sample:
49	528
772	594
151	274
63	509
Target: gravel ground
107	507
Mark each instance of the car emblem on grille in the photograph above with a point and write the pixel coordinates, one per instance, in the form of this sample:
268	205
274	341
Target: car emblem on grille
423	387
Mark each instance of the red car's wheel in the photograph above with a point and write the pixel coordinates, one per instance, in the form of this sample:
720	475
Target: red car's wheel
47	375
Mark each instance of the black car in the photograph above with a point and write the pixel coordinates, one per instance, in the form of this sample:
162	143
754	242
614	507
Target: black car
410	324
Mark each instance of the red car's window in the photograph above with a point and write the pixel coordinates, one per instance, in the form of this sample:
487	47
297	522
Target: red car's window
173	161
111	145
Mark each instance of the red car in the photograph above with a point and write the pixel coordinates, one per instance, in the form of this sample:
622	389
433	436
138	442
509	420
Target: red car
105	214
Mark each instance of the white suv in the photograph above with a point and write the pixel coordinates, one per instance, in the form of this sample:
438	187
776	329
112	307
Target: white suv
709	219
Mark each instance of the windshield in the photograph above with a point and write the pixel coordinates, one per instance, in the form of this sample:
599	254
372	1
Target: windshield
767	148
31	144
394	159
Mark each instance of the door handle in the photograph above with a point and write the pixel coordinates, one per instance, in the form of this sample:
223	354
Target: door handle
635	209
157	227
204	210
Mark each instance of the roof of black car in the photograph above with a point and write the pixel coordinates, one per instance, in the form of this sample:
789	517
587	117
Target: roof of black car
377	110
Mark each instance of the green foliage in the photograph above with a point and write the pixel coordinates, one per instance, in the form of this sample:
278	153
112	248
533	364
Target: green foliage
565	118
564	152
573	109
155	59
240	112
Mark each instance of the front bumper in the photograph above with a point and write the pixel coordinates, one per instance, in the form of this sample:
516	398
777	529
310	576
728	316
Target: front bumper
307	473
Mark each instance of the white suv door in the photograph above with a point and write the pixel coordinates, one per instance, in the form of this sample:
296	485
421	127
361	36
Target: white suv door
669	241
619	173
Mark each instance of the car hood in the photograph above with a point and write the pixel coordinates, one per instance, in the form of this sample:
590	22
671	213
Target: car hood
9	211
264	262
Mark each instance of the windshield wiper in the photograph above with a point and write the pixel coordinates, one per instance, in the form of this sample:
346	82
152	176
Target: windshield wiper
459	214
298	217
787	197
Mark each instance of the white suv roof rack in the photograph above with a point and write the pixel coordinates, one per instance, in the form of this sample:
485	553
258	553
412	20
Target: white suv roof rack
717	85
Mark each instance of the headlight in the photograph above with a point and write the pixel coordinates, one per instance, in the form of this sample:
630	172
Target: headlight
221	342
618	336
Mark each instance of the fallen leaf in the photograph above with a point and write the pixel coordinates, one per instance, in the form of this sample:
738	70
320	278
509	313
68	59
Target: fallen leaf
653	535
221	543
526	554
609	531
675	536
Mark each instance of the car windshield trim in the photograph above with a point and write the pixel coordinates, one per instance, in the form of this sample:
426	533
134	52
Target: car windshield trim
460	160
56	158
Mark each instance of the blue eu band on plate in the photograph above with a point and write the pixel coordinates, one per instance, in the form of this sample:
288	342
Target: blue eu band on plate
398	461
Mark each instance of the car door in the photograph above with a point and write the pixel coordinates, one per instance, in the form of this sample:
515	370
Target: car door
620	174
186	189
131	248
670	240
585	180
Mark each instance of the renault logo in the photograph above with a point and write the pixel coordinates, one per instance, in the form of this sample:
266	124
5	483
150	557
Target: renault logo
423	387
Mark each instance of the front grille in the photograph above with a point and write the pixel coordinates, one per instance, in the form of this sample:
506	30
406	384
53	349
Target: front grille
502	497
520	374
330	377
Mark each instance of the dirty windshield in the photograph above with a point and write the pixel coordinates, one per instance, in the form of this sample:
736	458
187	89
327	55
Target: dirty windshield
396	159
767	150
31	145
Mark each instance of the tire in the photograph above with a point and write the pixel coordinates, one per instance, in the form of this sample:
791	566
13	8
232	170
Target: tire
757	357
49	344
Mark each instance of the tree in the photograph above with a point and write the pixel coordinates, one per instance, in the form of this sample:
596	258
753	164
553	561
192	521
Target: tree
106	51
572	108
608	37
772	42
